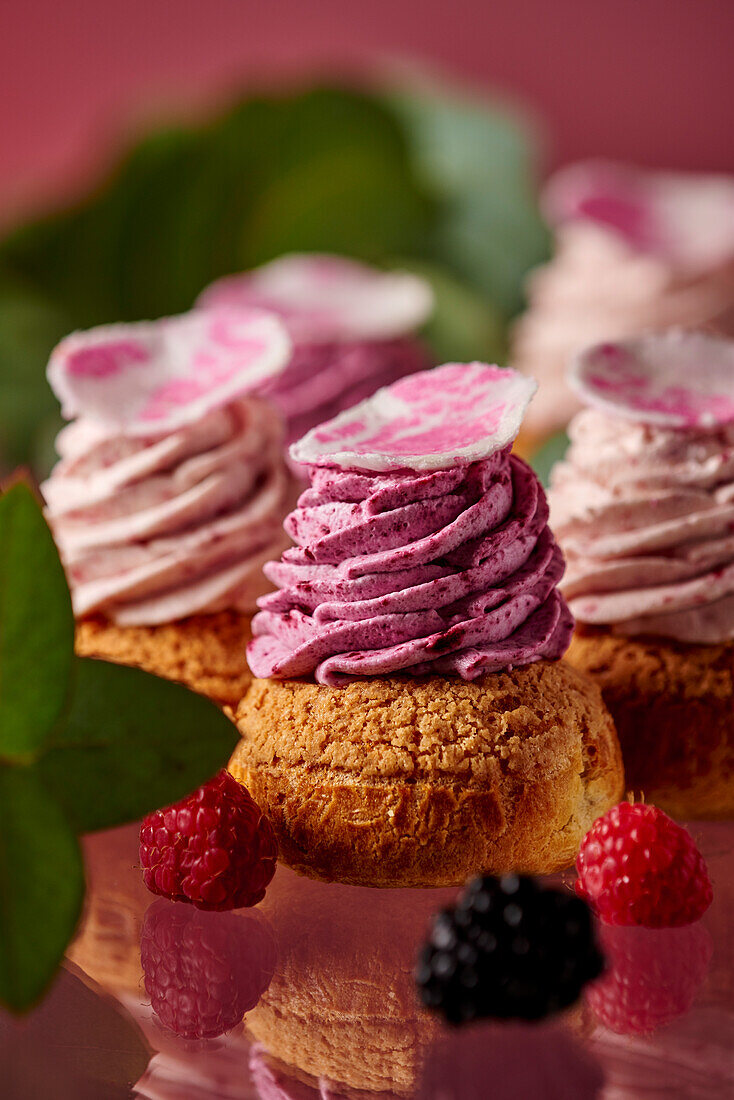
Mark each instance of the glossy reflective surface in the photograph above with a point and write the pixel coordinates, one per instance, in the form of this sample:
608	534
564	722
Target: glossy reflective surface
152	1000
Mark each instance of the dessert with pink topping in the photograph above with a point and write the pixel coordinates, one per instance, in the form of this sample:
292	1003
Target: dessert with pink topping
635	251
352	328
412	721
643	506
171	489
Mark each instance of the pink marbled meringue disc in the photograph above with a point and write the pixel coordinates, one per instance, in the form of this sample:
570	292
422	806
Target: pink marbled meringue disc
645	517
635	251
151	377
352	329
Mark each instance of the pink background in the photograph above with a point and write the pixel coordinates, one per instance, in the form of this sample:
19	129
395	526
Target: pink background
648	80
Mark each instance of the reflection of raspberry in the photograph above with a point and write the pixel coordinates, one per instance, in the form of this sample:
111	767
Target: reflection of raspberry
213	848
653	976
204	971
637	866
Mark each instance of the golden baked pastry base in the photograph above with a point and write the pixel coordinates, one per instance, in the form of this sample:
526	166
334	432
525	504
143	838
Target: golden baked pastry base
673	705
403	782
204	652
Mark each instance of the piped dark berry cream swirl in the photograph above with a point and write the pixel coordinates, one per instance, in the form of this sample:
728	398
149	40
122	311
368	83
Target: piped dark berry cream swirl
422	544
643	503
171	486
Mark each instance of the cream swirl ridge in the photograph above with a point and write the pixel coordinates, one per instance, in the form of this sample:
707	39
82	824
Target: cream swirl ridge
154	529
442	571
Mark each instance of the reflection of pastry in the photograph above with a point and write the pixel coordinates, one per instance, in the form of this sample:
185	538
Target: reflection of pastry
424	579
643	506
352	328
342	1004
170	494
634	250
107	945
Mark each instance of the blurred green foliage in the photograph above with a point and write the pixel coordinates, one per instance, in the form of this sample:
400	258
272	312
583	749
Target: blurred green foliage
422	178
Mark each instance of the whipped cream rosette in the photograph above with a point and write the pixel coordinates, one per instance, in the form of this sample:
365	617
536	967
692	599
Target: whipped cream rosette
634	251
352	327
171	487
422	545
643	504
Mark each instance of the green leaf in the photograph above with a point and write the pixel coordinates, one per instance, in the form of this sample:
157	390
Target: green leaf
546	456
41	887
36	628
477	158
133	743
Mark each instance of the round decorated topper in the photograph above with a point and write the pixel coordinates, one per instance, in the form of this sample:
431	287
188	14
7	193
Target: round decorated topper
448	416
674	379
155	376
684	218
323	298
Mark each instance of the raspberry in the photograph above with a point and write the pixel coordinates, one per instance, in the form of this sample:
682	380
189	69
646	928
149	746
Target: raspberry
204	971
653	976
511	948
213	848
637	866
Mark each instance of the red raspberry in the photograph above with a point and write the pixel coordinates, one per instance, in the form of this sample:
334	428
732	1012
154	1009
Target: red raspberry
637	866
652	977
204	971
213	848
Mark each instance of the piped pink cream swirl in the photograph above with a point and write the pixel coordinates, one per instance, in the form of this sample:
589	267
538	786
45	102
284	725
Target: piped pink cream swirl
645	516
422	564
157	528
159	517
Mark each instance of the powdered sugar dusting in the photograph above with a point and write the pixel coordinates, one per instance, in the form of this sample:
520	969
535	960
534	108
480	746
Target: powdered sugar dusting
675	379
450	416
156	376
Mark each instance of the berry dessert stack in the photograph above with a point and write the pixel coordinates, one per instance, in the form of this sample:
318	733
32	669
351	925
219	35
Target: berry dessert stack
643	506
171	490
412	722
352	329
634	251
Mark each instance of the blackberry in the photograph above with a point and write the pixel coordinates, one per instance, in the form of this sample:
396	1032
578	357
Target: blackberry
509	949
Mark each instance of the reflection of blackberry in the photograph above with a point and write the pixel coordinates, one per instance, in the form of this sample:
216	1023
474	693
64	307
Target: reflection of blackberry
511	948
